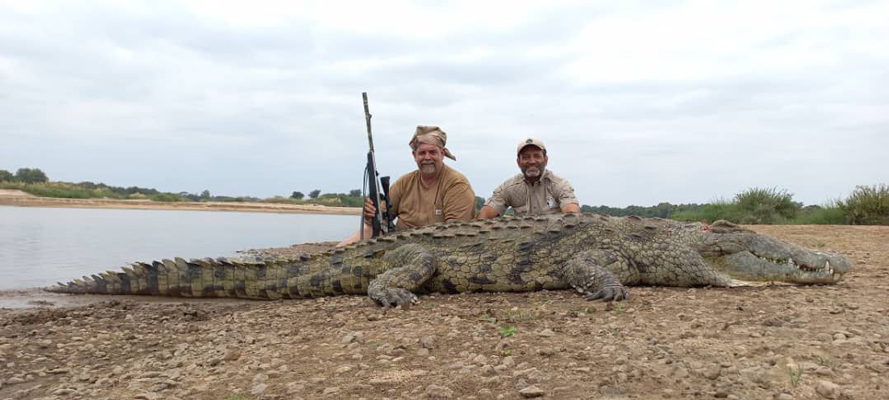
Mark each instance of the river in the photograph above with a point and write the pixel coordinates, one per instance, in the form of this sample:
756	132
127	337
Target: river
40	246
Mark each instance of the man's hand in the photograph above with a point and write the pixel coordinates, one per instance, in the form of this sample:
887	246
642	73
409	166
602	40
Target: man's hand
571	208
487	212
369	211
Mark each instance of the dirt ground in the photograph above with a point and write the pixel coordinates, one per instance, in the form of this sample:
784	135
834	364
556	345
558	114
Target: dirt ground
777	342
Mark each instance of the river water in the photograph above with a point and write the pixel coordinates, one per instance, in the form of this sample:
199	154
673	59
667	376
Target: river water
40	246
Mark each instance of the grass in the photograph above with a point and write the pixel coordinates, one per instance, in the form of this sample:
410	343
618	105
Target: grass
519	316
507	331
765	206
867	205
829	214
65	190
796	375
717	210
60	190
826	361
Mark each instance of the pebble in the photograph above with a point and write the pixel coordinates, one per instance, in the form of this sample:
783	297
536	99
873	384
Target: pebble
331	390
260	378
828	390
712	372
343	369
231	355
531	392
258	389
437	392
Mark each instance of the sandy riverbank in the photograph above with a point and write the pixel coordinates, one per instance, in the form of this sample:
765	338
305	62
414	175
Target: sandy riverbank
22	199
774	342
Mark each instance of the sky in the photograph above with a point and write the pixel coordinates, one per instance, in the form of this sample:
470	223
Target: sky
638	102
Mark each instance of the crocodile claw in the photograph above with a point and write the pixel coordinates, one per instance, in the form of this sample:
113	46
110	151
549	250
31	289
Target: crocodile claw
394	297
609	293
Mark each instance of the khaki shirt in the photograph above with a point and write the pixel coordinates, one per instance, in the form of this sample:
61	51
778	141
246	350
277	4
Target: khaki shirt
416	204
546	196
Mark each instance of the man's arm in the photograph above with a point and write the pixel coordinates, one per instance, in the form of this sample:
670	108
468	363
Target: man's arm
487	212
370	211
570	208
459	202
495	206
567	199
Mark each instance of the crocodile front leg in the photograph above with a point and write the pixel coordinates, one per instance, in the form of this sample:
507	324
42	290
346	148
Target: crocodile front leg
411	266
585	273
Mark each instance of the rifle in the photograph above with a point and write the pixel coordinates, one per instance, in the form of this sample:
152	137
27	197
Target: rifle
381	222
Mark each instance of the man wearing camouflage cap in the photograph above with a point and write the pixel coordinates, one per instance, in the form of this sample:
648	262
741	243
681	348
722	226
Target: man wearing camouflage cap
433	193
535	191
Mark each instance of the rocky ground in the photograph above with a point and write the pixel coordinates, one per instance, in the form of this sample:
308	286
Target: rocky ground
776	342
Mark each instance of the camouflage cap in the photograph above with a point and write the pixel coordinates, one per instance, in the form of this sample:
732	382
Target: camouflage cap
431	135
530	142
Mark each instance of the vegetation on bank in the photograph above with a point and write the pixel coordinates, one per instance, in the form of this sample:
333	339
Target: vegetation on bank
35	182
867	205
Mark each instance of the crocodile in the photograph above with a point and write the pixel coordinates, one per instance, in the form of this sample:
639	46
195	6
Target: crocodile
596	255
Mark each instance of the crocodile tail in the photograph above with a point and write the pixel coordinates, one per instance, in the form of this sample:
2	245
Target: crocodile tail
247	279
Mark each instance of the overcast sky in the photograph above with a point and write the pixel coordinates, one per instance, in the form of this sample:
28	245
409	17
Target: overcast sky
637	102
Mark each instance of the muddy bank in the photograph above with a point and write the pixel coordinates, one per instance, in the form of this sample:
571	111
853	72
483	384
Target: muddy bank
781	342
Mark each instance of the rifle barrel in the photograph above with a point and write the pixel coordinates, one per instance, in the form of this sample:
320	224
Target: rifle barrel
367	118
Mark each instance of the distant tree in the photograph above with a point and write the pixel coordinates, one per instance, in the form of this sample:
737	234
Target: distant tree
6	176
314	194
297	195
205	195
479	202
30	175
355	193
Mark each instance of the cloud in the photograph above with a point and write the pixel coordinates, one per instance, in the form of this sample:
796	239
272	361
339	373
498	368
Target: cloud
639	102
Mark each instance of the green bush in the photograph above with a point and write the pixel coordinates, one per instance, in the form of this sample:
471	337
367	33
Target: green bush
867	205
30	175
765	206
6	176
167	197
59	190
717	210
830	214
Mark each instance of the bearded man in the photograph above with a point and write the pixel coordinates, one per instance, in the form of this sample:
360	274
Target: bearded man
433	193
536	191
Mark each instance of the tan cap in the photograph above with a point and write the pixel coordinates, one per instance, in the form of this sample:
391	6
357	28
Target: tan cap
530	142
431	135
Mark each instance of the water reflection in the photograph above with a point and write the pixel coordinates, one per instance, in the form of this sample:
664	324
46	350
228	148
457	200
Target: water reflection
39	246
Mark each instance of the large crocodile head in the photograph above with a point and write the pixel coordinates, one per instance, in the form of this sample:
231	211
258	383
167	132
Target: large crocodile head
750	257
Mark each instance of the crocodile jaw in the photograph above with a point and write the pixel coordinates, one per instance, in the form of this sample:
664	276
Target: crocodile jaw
746	266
